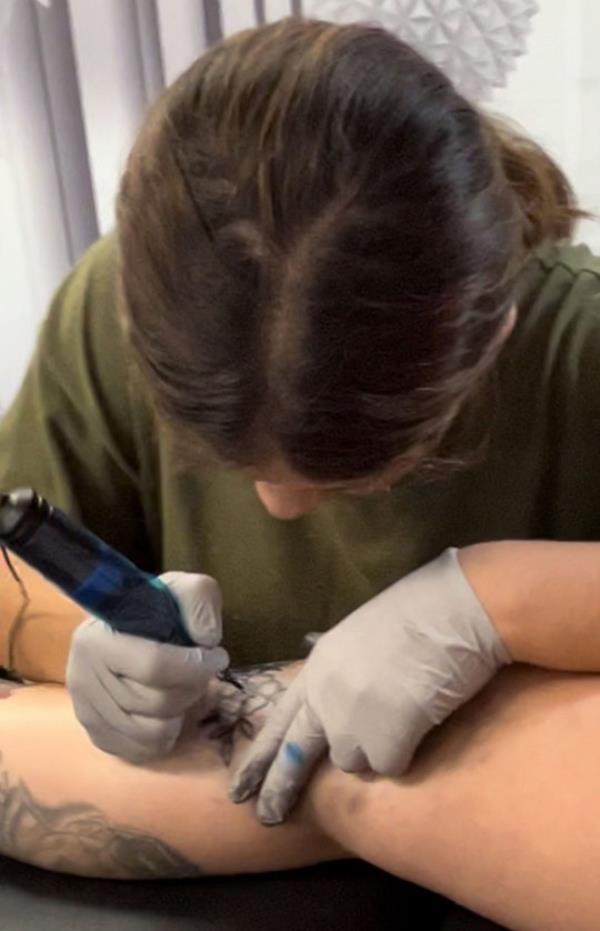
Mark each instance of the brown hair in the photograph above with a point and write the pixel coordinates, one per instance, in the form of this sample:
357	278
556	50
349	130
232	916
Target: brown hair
320	239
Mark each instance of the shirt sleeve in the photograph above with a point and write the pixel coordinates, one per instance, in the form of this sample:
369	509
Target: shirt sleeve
69	432
574	416
568	378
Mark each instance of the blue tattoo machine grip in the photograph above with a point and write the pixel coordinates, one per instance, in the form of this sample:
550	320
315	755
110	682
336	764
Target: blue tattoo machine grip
89	571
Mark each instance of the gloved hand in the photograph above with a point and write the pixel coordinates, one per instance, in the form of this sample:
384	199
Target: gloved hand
374	685
130	693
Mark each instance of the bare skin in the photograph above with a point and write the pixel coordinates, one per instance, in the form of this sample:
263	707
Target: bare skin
497	811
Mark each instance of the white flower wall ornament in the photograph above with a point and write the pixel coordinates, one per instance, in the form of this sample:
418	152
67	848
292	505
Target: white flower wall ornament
474	42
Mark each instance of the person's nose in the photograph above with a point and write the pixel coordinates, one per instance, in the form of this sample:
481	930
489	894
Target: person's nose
285	503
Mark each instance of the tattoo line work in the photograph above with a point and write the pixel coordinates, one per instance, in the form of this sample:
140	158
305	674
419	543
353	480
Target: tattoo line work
77	838
261	688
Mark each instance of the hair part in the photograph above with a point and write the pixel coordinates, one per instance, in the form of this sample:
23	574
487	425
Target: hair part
320	239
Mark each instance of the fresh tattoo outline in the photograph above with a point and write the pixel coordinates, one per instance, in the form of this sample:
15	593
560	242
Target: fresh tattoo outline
236	708
78	838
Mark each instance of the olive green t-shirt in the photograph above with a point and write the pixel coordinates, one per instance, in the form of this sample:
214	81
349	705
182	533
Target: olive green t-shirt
81	432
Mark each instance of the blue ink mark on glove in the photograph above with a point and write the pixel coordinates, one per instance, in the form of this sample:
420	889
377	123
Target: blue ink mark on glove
294	753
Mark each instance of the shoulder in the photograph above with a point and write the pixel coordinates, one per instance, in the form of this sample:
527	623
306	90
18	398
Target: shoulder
558	302
87	298
562	279
552	389
84	349
549	369
572	258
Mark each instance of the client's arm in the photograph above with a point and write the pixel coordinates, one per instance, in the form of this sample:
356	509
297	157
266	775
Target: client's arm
498	810
68	806
65	805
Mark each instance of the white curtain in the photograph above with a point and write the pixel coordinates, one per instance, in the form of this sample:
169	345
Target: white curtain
75	79
77	75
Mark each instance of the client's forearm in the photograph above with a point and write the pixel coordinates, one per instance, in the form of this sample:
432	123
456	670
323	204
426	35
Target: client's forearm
67	806
499	808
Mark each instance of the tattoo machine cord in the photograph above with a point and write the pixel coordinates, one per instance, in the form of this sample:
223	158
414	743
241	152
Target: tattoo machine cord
8	672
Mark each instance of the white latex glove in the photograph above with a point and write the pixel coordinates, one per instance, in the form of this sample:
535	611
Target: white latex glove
374	685
131	694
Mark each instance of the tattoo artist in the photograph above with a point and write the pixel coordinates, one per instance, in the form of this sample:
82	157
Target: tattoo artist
339	348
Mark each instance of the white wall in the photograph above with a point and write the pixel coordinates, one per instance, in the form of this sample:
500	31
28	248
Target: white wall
554	93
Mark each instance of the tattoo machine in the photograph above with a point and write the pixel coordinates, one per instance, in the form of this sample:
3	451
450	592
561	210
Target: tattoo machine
90	572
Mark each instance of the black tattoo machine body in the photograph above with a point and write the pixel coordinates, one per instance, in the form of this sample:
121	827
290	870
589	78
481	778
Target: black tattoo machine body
91	573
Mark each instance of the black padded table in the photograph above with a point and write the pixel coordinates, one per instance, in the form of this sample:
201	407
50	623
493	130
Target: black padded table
344	896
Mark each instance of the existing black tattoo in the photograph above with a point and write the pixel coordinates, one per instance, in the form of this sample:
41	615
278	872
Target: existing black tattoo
236	708
78	838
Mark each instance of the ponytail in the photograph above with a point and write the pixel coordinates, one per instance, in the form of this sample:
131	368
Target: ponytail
548	204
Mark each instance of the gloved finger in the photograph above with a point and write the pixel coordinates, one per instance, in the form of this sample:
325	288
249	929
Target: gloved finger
393	757
136	698
96	709
200	600
250	773
302	747
125	748
160	665
348	757
129	737
153	736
